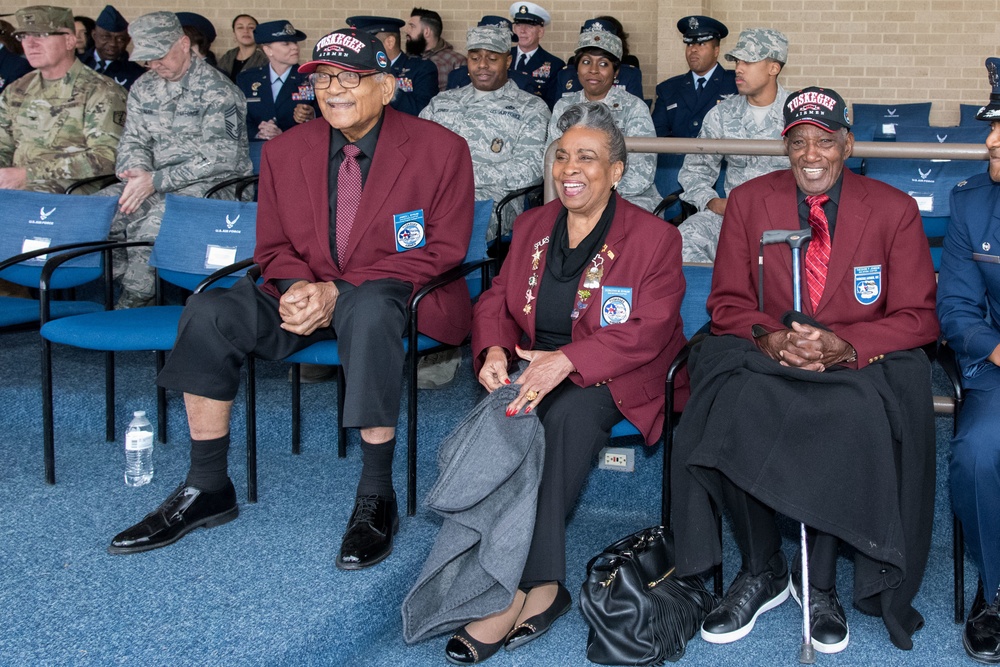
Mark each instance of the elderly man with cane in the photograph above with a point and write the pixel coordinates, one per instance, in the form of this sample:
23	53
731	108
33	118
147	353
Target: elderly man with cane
821	412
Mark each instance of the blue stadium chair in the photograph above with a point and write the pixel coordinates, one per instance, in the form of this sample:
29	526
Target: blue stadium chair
883	118
668	166
36	225
326	353
198	239
967	115
930	182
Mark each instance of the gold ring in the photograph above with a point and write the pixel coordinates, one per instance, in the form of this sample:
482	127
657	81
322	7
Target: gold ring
531	395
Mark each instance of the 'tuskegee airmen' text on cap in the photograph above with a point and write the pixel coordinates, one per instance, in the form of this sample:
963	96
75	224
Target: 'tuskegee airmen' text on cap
348	49
821	107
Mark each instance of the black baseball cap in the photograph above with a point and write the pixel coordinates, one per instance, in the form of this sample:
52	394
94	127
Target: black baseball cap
822	107
350	49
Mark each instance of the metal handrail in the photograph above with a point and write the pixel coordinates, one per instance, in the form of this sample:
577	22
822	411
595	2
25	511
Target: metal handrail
862	149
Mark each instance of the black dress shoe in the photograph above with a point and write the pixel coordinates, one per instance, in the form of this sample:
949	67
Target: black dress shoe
827	621
538	625
368	538
981	637
462	649
748	597
184	510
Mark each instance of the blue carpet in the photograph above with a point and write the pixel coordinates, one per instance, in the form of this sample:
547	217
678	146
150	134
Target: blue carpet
263	590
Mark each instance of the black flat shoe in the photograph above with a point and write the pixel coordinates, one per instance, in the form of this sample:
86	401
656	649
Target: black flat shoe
538	625
981	637
462	649
184	510
368	538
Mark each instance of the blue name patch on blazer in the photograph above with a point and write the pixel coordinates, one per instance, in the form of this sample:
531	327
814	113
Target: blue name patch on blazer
409	230
867	283
616	305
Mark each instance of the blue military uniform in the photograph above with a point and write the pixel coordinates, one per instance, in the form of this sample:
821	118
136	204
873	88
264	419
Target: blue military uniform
680	107
261	105
679	110
968	307
542	69
123	71
12	67
416	83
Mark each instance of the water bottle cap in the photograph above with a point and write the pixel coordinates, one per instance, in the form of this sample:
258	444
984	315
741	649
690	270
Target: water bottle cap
139	413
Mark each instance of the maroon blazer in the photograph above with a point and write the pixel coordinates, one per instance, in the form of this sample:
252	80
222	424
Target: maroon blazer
417	165
641	252
879	294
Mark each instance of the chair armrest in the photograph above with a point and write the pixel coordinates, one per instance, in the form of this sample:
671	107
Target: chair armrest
55	262
240	181
223	272
25	256
510	197
667	202
946	357
103	181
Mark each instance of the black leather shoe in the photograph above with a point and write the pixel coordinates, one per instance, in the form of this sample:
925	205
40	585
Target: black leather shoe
748	597
368	538
981	637
462	649
184	510
538	625
827	621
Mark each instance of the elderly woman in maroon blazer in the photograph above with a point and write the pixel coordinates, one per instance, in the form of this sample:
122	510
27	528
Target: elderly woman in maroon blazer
590	298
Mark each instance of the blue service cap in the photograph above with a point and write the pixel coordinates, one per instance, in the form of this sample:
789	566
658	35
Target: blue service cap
698	29
199	23
109	19
991	111
375	24
277	31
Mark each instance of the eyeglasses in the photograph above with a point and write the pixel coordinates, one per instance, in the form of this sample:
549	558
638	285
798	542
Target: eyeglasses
22	36
347	79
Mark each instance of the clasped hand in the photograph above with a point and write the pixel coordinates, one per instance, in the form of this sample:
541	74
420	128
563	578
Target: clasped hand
305	306
545	370
804	346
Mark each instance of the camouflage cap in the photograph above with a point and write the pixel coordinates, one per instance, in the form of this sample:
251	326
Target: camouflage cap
44	18
153	35
756	44
596	34
494	37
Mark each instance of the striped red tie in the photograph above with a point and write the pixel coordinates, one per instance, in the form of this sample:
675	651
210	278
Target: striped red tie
348	197
818	253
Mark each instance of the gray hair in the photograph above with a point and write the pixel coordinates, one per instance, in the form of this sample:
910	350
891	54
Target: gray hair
596	116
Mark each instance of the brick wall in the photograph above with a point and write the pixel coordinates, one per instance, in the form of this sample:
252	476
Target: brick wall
887	51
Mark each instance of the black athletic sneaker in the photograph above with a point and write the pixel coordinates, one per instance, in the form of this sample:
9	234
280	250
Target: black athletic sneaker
748	597
827	620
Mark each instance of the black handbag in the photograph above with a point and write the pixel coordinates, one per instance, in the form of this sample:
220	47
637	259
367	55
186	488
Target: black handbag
639	611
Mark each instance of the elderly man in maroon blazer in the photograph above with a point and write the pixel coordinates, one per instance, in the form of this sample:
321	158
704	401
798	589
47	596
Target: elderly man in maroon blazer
358	210
822	415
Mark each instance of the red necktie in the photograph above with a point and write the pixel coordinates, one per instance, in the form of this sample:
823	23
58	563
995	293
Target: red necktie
348	197
818	253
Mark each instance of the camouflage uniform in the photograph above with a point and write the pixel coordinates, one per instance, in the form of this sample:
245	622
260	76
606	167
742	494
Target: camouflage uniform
505	130
61	131
189	134
632	117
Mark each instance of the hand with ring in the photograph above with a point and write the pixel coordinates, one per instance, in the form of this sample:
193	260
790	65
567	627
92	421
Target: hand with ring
546	369
531	395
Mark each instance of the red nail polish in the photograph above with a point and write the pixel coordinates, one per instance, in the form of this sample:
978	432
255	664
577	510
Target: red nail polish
506	381
527	410
509	412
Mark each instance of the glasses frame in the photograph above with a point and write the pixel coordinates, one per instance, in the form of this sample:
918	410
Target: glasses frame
343	84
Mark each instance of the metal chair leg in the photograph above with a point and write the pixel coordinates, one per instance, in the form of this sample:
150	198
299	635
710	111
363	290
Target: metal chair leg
109	396
48	428
341	431
296	409
251	401
161	401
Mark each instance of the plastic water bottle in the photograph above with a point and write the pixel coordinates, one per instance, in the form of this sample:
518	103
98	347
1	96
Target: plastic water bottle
138	450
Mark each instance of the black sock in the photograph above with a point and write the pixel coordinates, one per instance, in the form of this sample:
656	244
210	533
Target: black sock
209	459
376	469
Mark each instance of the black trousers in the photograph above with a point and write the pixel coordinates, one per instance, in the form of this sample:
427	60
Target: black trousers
577	423
220	327
759	540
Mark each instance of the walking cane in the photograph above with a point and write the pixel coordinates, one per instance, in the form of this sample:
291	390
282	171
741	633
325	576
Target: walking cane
796	240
